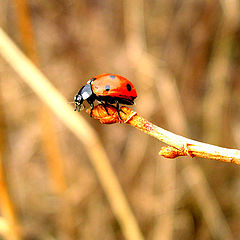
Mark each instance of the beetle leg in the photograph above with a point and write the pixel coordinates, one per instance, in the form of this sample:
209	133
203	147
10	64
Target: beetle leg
105	109
90	101
117	107
104	105
92	106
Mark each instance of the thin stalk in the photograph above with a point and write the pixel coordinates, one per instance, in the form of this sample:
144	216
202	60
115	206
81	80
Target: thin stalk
54	100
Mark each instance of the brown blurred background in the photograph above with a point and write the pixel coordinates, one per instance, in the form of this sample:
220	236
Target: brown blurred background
184	59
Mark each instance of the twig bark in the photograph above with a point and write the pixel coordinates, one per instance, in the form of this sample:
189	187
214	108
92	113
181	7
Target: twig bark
179	146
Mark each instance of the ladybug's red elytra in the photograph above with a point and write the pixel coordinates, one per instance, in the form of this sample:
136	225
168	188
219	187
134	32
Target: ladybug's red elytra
108	89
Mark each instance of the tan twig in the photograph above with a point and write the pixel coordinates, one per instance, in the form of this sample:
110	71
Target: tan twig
53	99
180	146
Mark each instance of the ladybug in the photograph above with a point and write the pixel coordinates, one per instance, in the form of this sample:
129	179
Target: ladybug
107	89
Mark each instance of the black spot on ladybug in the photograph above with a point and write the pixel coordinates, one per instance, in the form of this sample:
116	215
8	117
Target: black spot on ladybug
129	88
107	87
112	76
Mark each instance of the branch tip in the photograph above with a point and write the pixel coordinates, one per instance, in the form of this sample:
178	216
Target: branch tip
179	146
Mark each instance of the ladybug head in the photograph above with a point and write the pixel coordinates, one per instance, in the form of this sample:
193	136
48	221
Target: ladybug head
78	100
85	93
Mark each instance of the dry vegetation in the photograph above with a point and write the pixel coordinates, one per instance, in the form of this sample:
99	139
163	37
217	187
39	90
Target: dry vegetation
183	57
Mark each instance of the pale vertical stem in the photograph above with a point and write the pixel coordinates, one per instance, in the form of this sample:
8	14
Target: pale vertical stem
43	88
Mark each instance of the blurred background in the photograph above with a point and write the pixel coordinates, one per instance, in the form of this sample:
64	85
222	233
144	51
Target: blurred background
183	58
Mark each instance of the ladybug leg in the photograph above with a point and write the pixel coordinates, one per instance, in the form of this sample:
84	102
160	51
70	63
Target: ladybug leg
92	106
117	107
104	105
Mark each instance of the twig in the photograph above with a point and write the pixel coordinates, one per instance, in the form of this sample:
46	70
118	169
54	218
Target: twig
180	146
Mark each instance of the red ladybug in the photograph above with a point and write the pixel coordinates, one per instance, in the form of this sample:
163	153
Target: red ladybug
108	89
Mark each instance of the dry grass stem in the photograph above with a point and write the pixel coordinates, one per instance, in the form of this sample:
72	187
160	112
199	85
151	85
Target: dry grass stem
180	146
4	227
53	99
